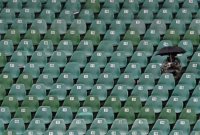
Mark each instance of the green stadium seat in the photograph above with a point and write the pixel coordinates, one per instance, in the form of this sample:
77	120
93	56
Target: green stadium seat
65	80
11	102
79	25
92	5
193	36
172	35
55	6
146	15
112	5
26	47
79	57
38	58
106	14
65	46
165	14
100	91
162	125
112	36
153	36
119	58
18	91
78	125
27	15
2	92
87	15
125	47
99	58
24	113
181	91
57	125
47	15
140	125
114	102
64	113
6	80
25	79
3	26
139	26
86	46
195	132
154	103
92	102
19	59
134	69
155	69
52	70
127	80
5	115
106	113
159	26
32	69
79	90
60	26
141	92
118	26
172	5
196	126
17	125
188	114
161	92
39	91
106	47
86	114
106	79
72	102
120	91
176	103
125	15
169	114
72	35
40	25
73	5
99	124
12	70
14	35
193	104
45	79
59	91
147	80
36	125
187	46
188	80
113	69
184	15
31	103
183	125
127	113
93	69
99	26
191	5
34	5
120	125
67	15
86	79
92	36
44	113
133	102
52	35
8	15
194	25
73	68
178	25
151	5
59	58
34	35
20	25
139	57
51	101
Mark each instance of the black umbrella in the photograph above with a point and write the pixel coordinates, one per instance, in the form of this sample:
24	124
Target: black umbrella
170	50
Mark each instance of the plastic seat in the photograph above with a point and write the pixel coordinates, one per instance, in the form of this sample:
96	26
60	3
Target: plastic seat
86	79
106	14
169	114
151	5
52	70
106	113
73	6
86	46
58	90
93	69
19	59
155	69
112	5
196	126
99	26
134	69
138	25
26	47
120	125
92	102
65	46
125	47
125	15
45	79
11	102
162	125
31	103
33	35
153	36
147	80
40	25
78	125
93	36
65	114
3	26
73	68
147	113
161	92
51	101
118	26
59	58
67	15
72	35
191	5
139	57
32	69
193	36
79	57
140	91
11	69
112	69
55	6
72	102
25	79
39	58
20	25
5	115
178	25
27	15
114	102
126	113
154	103
86	114
24	113
36	125
112	36
182	125
127	80
17	125
79	90
52	35
106	79
173	36
133	102
57	125
171	5
187	46
106	48
165	14
193	103
133	6
6	81
99	124
185	15
133	36
159	26
119	58
176	103
140	125
188	114
93	5
196	91
87	15
39	91
146	15
47	15
8	15
99	58
65	81
44	113
14	35
34	5
100	91
18	91
79	25
188	80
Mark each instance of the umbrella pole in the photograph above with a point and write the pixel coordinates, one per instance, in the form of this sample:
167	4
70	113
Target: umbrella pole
170	56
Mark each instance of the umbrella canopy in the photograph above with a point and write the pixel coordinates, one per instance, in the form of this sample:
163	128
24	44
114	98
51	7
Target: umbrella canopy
171	50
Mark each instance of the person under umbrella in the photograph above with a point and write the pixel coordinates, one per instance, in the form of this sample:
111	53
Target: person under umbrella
172	64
